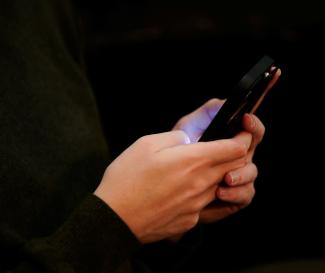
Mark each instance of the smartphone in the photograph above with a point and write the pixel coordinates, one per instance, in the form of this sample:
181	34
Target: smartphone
244	98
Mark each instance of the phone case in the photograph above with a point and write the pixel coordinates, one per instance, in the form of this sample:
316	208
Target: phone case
243	99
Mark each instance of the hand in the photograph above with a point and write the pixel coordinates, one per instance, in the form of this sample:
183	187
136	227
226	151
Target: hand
240	190
160	184
195	123
241	181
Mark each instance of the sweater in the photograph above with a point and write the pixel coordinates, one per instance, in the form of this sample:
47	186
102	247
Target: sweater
52	149
53	154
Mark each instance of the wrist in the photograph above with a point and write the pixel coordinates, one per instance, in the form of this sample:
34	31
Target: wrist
132	222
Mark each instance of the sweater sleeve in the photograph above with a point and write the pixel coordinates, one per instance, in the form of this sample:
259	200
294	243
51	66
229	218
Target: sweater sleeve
167	256
93	239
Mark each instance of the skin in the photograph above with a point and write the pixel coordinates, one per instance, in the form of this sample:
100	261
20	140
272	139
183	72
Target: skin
239	190
163	184
160	184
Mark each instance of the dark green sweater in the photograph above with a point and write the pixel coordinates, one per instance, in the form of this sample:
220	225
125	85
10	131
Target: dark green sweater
53	155
52	149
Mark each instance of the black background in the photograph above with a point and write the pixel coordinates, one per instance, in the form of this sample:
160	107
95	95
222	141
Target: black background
151	62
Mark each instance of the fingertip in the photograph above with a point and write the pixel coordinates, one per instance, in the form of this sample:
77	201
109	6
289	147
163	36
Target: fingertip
228	179
215	101
249	123
213	106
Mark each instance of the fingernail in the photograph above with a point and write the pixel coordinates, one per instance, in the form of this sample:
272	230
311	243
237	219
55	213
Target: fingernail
234	178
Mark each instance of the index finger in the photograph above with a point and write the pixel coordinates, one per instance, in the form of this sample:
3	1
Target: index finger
254	125
221	151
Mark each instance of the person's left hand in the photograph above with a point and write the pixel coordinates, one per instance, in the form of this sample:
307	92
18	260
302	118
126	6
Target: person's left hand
239	189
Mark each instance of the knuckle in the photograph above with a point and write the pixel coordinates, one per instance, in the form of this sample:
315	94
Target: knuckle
196	206
192	161
255	170
192	221
195	189
198	186
146	143
241	163
244	161
239	149
248	200
253	192
232	146
144	140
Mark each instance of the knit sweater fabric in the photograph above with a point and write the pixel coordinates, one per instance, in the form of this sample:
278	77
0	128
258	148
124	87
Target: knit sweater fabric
52	149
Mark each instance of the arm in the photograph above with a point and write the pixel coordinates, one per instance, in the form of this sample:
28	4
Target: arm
156	189
159	185
92	239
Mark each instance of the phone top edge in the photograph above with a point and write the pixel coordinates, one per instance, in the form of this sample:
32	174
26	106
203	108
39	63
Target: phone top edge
255	73
242	99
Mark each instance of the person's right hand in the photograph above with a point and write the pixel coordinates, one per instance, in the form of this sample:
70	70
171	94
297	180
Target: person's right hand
159	185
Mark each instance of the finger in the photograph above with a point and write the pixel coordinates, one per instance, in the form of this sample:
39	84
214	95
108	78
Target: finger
244	138
217	212
183	223
213	153
216	152
214	175
165	140
241	195
195	123
221	170
253	125
242	175
202	200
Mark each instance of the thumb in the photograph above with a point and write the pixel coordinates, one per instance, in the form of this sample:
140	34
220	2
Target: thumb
195	123
161	141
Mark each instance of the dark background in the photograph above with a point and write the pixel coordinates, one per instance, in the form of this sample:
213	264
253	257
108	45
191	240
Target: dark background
151	62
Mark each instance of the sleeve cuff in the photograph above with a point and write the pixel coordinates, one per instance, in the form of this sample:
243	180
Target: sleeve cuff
93	239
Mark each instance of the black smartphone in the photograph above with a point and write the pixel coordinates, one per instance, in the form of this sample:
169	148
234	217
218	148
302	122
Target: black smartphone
244	98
